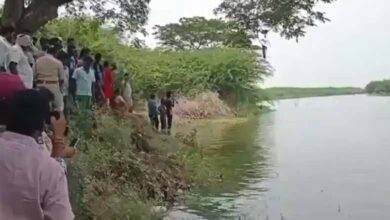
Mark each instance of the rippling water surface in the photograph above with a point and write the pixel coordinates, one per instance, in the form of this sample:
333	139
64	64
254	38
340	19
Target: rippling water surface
312	159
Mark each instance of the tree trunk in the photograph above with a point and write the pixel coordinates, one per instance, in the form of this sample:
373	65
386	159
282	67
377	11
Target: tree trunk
12	12
32	17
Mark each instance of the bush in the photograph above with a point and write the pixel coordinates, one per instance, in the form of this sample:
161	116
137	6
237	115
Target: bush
378	87
125	169
233	73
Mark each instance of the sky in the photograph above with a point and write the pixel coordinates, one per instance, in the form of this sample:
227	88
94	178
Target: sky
351	50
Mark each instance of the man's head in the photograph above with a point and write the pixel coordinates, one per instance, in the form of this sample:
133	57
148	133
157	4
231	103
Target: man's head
45	92
169	94
152	96
85	52
106	64
49	96
113	66
34	40
28	112
24	41
56	42
63	57
8	33
72	51
98	58
9	85
87	62
70	42
44	42
52	50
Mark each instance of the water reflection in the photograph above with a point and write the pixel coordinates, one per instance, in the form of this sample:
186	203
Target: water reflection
314	159
235	149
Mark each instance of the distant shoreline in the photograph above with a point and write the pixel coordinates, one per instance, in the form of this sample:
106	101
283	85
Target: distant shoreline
279	93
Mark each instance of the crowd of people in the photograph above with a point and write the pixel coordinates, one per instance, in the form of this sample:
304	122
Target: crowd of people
72	78
43	83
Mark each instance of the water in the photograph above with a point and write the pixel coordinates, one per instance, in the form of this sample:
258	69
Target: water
312	159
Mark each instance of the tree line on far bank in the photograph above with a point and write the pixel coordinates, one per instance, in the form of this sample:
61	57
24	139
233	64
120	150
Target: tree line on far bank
378	87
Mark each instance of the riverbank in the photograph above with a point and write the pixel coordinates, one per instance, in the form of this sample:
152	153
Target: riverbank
278	93
125	169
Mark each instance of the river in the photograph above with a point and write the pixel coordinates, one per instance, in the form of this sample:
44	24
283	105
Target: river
322	158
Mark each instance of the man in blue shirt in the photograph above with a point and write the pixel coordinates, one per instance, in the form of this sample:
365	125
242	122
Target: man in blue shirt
153	111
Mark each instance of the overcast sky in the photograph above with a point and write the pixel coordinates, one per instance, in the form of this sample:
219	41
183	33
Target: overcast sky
352	49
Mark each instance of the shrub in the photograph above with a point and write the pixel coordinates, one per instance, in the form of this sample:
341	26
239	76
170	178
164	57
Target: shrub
234	73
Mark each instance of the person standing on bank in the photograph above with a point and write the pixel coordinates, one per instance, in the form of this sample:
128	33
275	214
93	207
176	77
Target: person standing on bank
153	111
32	185
18	62
7	38
99	78
108	84
169	103
50	73
64	58
163	116
85	78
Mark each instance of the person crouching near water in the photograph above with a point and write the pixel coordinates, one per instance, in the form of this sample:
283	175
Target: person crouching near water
153	111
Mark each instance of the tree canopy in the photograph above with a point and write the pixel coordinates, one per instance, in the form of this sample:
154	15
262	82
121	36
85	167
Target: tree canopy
378	87
289	17
199	32
30	15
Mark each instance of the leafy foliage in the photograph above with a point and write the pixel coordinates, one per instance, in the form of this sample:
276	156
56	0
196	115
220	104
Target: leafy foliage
114	179
231	72
30	15
120	14
199	33
289	17
378	87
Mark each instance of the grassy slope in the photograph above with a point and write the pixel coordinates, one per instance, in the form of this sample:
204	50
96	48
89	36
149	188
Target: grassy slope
125	168
294	92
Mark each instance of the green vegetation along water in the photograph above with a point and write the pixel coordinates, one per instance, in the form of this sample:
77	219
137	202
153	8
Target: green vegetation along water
378	87
294	92
317	158
232	72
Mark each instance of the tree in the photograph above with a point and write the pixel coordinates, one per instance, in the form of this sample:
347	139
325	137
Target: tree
378	87
199	32
30	15
289	17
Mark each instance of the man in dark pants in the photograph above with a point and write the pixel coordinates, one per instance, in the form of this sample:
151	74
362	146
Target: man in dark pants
153	111
169	104
163	116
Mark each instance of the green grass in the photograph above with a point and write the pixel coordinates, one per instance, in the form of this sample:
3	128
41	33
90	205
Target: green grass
295	92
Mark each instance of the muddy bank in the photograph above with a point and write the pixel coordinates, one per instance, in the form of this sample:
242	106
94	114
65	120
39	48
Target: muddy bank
202	106
125	168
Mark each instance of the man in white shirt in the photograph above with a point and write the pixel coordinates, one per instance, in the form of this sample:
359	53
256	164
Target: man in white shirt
18	62
84	77
6	41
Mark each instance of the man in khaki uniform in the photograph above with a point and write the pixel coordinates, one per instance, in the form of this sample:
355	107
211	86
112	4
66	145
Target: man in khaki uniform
49	73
